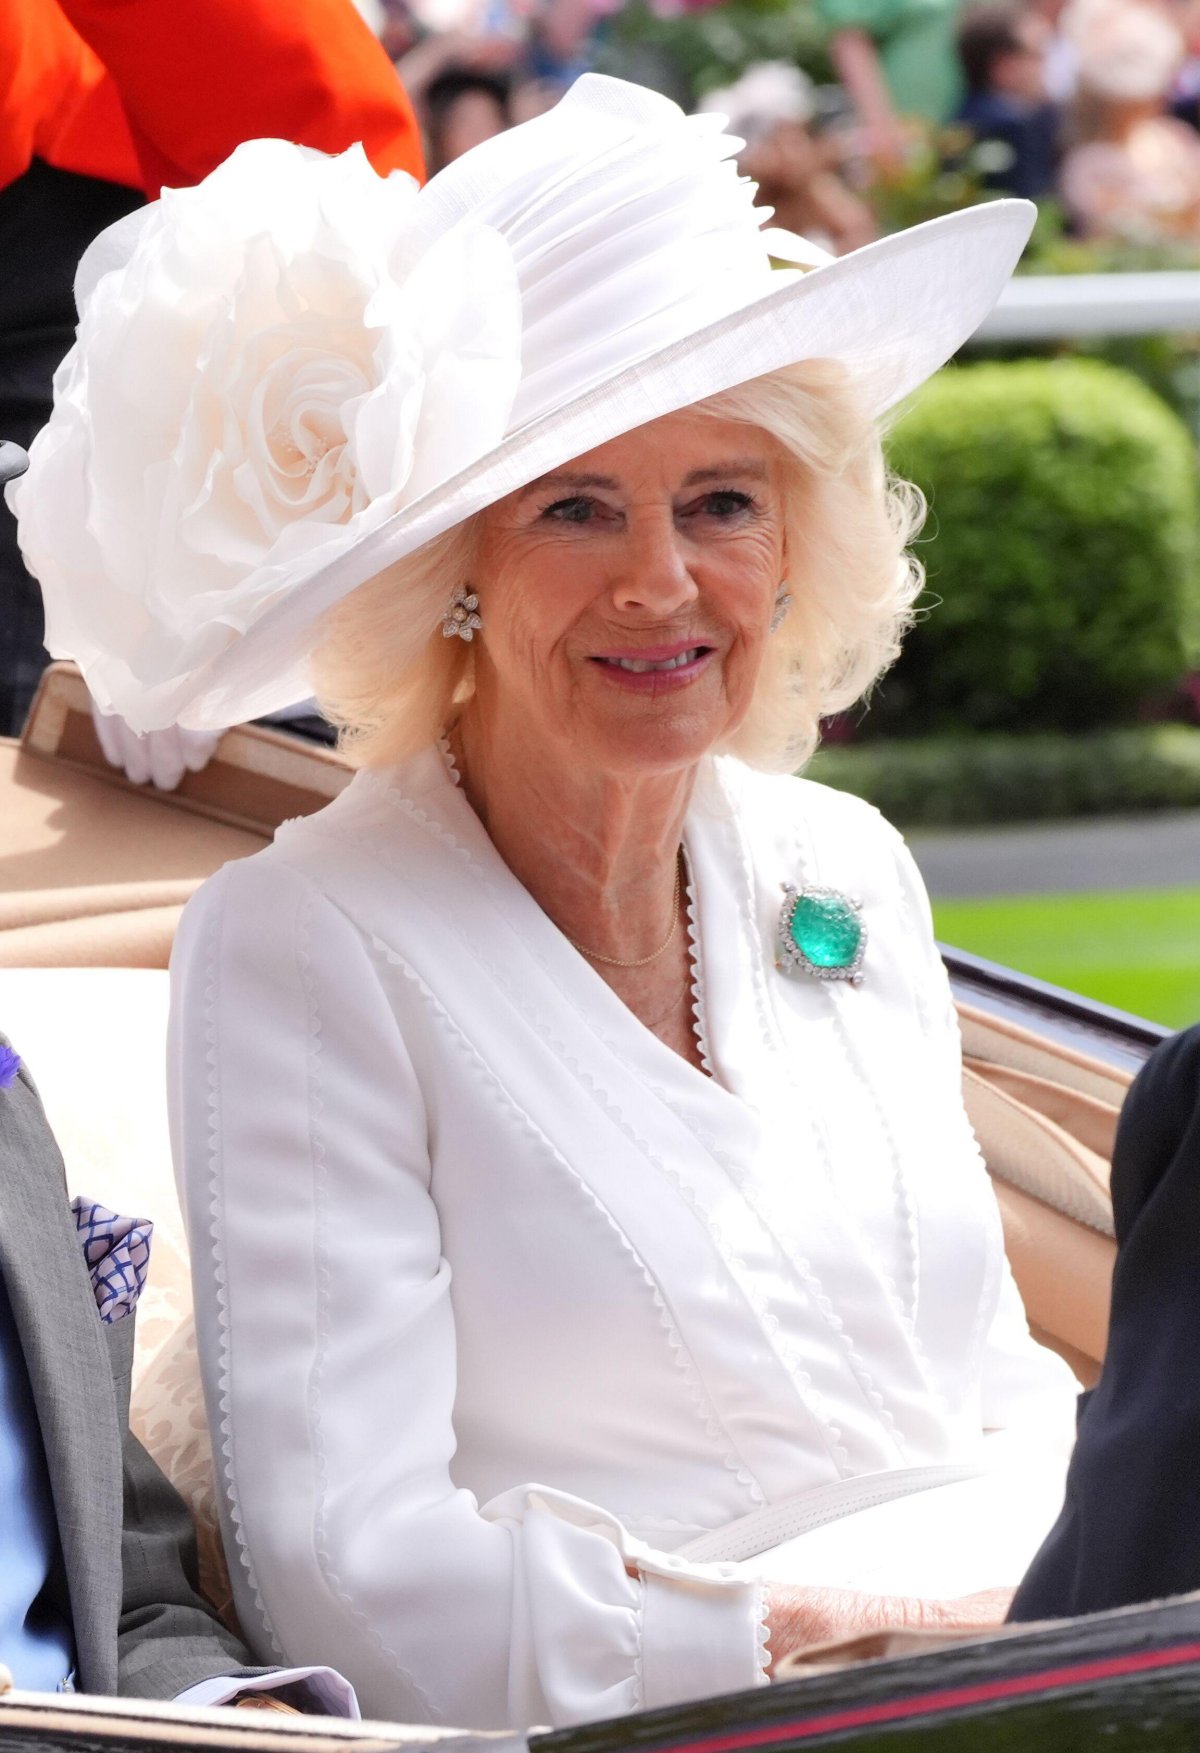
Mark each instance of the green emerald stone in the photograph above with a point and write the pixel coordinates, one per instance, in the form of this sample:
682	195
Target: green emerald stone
826	929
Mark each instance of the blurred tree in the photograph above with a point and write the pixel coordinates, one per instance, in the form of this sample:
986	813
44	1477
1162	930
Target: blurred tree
709	45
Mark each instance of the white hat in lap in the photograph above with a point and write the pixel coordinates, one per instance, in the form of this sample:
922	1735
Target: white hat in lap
298	372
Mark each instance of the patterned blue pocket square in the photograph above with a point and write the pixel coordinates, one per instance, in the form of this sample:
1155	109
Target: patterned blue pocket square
117	1251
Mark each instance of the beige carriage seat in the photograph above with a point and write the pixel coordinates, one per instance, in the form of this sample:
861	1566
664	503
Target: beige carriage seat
94	870
1045	1116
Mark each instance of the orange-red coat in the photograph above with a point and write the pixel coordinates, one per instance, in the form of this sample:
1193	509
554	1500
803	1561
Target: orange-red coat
151	93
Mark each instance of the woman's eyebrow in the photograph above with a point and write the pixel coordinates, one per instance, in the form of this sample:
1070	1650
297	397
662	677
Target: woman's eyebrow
574	483
752	468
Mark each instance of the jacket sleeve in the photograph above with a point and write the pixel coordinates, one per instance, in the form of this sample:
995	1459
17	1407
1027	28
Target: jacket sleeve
326	1330
169	1637
197	80
57	102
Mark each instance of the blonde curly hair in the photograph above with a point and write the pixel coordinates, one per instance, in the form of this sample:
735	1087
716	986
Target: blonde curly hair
848	526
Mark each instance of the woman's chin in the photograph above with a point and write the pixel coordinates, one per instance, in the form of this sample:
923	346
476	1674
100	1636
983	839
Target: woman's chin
666	740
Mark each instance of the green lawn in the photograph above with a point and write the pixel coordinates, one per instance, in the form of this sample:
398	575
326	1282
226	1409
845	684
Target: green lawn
1139	950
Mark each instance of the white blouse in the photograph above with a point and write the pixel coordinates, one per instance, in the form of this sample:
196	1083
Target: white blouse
502	1304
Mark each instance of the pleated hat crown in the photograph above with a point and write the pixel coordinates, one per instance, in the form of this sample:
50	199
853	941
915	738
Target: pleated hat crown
630	229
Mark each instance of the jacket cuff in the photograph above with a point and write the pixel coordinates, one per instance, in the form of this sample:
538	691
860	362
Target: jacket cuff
694	1626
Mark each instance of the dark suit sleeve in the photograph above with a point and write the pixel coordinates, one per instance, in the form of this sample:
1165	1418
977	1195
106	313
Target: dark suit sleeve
169	1637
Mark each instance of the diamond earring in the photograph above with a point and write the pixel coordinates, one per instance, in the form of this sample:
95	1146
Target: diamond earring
461	619
783	602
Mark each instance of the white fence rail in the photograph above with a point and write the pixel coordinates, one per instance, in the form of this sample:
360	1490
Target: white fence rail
1049	307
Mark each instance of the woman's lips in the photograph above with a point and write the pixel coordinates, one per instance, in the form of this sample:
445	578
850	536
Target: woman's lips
653	669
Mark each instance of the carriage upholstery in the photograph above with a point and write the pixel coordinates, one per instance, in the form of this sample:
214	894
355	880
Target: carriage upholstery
94	871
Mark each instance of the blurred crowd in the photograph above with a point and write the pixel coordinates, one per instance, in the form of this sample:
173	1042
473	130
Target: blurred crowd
1093	105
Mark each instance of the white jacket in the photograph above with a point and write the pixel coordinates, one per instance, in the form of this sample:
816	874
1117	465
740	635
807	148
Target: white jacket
500	1301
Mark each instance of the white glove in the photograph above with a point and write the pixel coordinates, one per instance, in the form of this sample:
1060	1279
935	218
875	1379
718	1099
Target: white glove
161	757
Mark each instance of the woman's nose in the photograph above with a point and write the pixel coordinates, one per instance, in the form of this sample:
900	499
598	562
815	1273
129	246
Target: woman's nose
654	574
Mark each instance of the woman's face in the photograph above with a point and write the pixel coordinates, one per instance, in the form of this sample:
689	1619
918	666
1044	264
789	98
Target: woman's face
626	597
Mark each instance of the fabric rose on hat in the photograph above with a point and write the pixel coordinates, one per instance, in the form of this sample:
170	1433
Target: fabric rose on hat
267	366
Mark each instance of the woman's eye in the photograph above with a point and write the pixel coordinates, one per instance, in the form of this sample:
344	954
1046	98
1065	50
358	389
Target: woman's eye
724	504
574	510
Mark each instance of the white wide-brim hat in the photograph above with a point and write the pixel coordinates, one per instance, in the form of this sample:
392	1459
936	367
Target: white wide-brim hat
296	373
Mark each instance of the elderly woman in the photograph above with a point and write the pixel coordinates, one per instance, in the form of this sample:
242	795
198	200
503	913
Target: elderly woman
599	1290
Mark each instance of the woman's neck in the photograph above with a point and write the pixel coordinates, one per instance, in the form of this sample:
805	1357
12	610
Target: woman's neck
598	851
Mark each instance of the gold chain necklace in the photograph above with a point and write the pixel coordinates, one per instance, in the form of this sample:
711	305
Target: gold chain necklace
664	946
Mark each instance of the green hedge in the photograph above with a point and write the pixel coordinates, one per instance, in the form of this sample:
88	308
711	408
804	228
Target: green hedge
960	781
1062	550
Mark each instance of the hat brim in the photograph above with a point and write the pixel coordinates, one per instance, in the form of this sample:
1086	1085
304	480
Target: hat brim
892	313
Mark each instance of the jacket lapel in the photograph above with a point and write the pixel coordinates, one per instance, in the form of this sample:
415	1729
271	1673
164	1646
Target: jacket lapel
70	1375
